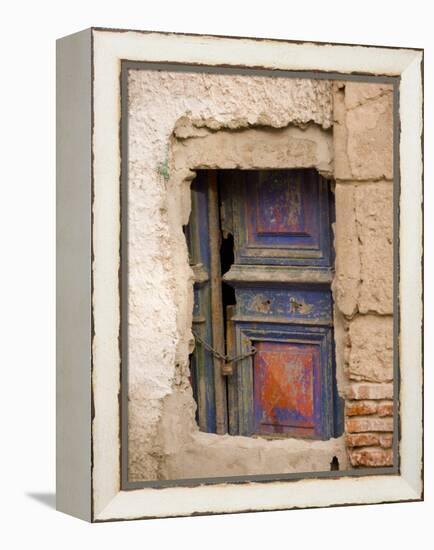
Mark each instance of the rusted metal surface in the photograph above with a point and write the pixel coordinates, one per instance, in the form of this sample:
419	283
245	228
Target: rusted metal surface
227	360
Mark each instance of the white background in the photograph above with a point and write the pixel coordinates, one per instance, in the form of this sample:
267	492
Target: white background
27	383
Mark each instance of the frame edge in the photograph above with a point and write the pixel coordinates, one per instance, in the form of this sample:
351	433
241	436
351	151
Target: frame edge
73	275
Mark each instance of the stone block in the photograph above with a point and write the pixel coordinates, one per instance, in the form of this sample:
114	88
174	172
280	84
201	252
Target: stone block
347	280
364	248
374	219
363	131
254	148
370	138
358	93
341	166
370	353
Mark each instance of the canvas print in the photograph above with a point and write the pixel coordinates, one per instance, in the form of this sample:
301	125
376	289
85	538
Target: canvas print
258	284
239	277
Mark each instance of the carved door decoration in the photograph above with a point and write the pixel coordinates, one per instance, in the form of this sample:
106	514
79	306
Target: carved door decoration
261	249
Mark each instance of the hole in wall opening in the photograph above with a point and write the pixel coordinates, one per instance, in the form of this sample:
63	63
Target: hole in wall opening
227	258
226	261
226	252
228	292
334	464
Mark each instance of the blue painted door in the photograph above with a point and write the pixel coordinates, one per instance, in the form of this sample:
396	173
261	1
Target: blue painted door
277	301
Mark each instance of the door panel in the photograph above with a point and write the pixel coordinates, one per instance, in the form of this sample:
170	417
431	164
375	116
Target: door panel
292	366
281	217
286	383
285	303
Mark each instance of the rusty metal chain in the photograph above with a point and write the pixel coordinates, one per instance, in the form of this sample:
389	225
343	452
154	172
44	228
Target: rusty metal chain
218	355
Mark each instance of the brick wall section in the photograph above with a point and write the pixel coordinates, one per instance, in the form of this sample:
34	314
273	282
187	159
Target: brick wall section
363	289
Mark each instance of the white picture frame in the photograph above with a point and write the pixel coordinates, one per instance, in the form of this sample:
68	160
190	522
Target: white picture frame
88	360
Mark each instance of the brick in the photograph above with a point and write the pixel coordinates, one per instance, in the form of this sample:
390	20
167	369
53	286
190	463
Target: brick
360	408
357	425
384	440
371	457
362	440
369	391
385	409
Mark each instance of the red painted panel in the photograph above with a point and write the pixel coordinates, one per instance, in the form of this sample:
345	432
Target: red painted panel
286	384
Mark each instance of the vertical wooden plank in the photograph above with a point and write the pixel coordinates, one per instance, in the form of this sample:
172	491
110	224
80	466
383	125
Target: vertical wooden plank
202	360
329	380
216	301
245	390
231	380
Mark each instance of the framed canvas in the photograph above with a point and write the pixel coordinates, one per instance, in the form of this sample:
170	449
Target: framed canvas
239	274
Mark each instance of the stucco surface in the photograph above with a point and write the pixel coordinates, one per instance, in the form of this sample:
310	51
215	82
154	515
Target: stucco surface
169	114
179	122
188	453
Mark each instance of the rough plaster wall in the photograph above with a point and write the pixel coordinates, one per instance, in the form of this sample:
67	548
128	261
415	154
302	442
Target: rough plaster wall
195	453
167	111
363	285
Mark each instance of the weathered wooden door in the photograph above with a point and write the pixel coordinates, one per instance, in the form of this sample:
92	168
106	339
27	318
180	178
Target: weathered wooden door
261	248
